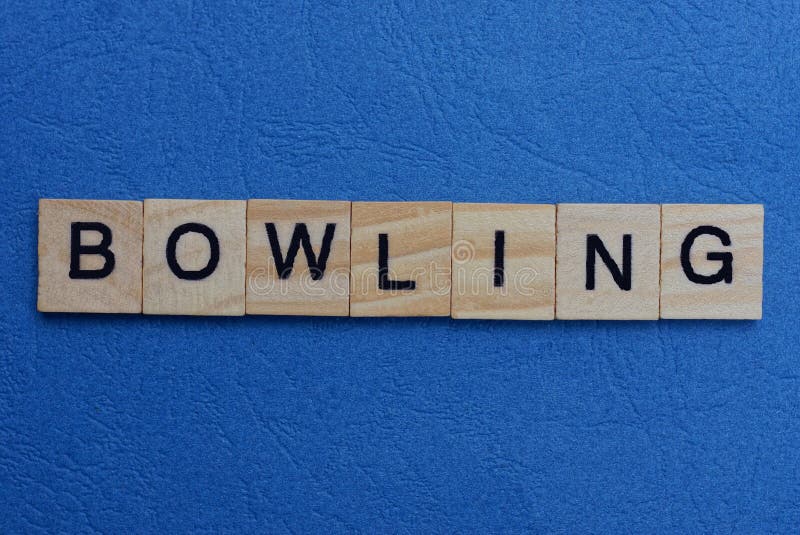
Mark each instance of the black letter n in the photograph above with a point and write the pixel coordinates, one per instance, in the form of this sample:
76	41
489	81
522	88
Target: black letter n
316	264
595	246
77	249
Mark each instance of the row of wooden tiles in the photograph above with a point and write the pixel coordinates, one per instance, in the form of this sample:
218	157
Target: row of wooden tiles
337	258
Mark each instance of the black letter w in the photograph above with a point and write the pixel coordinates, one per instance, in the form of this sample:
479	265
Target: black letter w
316	265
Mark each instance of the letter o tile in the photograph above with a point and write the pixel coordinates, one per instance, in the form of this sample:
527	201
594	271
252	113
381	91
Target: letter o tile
194	288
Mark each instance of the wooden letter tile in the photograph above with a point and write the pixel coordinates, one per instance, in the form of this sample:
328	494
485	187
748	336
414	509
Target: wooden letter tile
711	261
205	275
504	261
593	279
400	259
312	242
90	256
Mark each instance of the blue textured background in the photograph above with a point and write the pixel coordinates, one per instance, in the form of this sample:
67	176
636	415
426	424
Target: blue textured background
139	423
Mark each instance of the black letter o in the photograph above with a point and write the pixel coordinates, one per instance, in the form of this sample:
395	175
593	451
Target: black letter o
172	244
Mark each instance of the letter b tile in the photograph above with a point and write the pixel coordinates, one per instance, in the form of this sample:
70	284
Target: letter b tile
194	257
607	261
90	256
711	261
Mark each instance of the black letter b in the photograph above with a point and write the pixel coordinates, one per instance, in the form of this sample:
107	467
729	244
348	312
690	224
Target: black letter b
77	249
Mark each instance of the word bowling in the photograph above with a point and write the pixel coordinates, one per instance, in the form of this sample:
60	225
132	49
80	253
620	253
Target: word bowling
341	258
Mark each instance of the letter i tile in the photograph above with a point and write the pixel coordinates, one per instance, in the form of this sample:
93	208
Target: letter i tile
503	261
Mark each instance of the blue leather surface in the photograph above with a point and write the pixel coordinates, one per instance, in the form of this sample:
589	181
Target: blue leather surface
314	425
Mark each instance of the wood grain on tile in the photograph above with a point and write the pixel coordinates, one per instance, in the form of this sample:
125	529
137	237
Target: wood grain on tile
120	291
733	236
417	237
303	291
220	293
503	261
584	229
